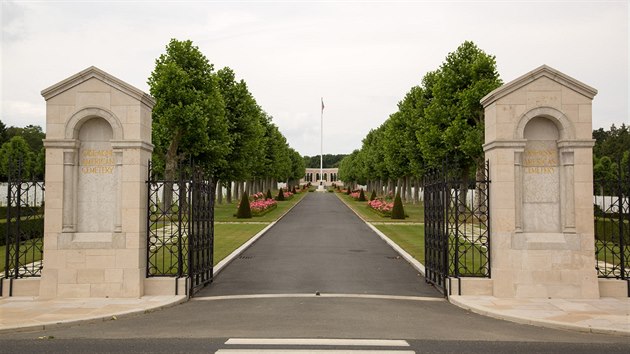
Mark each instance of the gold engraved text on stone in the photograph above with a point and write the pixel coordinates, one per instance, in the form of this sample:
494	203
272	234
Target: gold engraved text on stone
97	161
540	161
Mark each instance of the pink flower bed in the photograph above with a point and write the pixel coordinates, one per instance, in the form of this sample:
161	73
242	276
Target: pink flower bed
257	196
355	195
287	194
260	206
382	207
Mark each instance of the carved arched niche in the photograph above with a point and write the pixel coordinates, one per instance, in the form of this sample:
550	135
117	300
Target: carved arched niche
544	173
92	174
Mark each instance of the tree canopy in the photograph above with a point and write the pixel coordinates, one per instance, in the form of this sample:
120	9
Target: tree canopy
24	144
439	119
212	118
189	114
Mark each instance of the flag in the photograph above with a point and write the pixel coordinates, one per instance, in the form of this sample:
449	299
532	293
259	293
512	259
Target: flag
322	104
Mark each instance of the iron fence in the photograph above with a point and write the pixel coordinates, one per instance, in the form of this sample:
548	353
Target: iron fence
180	227
457	225
612	224
24	233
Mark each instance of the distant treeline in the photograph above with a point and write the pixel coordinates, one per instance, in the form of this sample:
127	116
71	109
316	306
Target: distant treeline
330	160
23	144
612	148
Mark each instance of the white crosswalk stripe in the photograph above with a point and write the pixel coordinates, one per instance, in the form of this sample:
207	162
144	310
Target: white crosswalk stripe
296	345
317	341
312	351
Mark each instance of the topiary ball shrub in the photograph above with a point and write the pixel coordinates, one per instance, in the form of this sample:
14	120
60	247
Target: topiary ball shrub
373	195
268	196
361	196
398	212
280	196
244	211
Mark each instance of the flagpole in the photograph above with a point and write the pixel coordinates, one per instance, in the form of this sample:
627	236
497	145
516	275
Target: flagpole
321	152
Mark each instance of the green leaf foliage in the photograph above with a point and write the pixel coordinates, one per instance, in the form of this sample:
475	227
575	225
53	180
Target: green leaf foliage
244	127
189	114
328	160
438	120
17	151
453	124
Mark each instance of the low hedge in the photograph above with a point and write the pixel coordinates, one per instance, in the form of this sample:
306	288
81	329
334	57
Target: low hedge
607	230
25	211
32	226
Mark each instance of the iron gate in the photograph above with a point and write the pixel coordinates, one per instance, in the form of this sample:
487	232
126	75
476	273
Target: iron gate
24	233
456	226
180	227
612	225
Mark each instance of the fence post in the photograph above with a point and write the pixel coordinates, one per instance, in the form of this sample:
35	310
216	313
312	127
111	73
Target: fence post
620	212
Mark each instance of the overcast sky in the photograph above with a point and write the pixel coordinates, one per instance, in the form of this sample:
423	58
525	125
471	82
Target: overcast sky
361	57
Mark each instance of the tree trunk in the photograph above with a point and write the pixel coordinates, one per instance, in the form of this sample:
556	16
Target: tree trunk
236	191
416	193
480	187
170	169
463	189
402	187
219	192
228	195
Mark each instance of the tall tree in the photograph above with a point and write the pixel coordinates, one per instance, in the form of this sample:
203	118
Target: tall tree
188	117
244	128
453	124
297	167
3	133
13	152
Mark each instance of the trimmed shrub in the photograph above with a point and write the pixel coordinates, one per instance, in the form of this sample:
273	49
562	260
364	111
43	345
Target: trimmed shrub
244	210
398	212
373	195
293	190
361	196
349	191
268	196
280	196
33	227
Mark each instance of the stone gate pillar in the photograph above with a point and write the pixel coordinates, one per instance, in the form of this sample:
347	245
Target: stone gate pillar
98	143
538	139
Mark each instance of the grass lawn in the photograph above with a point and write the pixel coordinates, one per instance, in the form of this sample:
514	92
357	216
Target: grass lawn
411	239
415	211
225	212
408	237
29	257
227	238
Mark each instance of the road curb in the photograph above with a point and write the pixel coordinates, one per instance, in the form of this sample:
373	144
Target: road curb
178	299
455	300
